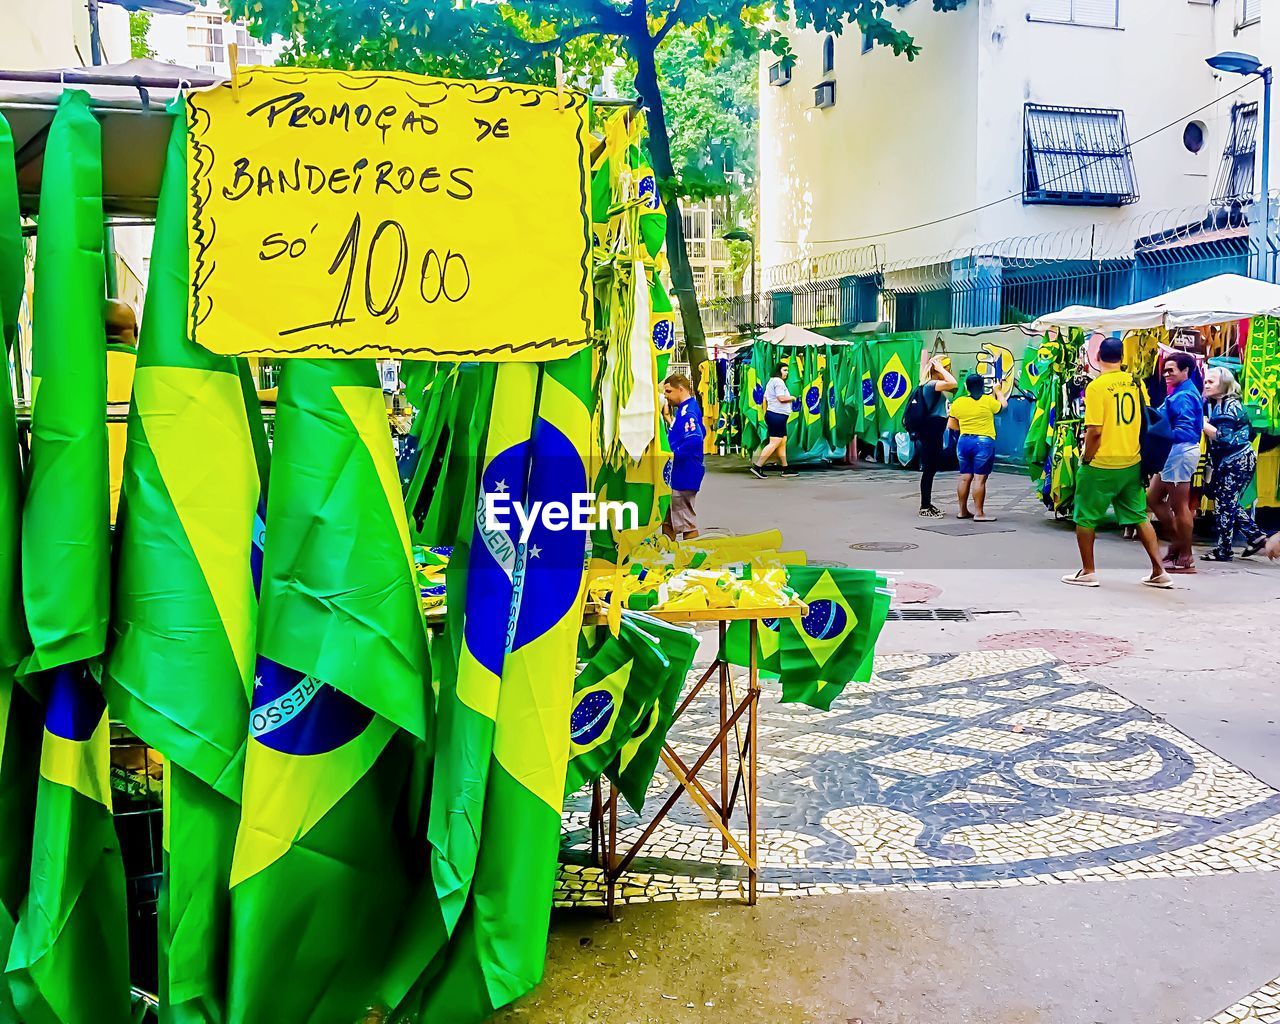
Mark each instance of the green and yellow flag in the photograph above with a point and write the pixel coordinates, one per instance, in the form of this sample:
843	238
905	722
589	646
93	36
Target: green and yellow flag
637	759
182	657
896	365
613	694
499	948
468	699
816	656
341	685
69	958
19	714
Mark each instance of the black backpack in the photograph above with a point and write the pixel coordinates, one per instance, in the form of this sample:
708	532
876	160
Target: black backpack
916	416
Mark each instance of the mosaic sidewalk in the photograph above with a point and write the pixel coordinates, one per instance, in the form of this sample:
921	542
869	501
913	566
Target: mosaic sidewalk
1262	1007
972	770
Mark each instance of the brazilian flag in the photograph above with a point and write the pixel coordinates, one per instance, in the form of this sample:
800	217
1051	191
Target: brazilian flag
896	365
498	951
19	713
68	961
832	645
616	698
846	609
636	761
483	572
182	657
1036	447
322	867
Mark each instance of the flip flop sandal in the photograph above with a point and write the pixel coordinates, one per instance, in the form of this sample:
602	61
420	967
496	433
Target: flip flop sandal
1254	548
1161	582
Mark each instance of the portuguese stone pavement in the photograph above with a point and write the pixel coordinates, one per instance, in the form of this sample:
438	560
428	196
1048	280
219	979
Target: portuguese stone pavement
983	769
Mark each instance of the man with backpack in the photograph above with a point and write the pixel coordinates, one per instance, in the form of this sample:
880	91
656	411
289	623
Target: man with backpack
925	419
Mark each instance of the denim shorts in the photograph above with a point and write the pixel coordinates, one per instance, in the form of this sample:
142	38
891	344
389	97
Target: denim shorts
1181	465
976	454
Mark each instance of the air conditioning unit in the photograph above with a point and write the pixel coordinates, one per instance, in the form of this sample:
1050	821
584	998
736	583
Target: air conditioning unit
779	73
824	94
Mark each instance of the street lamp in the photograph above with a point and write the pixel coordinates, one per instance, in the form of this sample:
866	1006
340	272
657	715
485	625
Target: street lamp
1232	62
743	235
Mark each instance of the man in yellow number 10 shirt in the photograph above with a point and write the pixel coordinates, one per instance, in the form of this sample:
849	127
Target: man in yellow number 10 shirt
1111	467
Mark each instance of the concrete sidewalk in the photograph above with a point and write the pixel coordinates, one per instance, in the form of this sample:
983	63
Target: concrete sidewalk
1148	950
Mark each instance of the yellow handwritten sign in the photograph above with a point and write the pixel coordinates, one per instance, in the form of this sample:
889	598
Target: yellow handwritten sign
362	213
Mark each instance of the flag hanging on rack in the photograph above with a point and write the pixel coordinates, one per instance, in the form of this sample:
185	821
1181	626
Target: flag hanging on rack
69	957
499	948
19	713
184	615
340	694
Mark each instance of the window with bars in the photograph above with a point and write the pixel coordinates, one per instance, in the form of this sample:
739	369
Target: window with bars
1098	13
1077	156
1235	179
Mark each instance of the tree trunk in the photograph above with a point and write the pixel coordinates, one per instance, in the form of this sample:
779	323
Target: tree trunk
642	48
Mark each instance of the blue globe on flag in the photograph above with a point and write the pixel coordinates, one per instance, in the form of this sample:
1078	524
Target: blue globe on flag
666	472
893	385
590	717
648	191
757	394
664	335
824	620
296	714
868	391
813	400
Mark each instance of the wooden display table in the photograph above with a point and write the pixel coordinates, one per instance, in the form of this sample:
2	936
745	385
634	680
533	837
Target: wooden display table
718	812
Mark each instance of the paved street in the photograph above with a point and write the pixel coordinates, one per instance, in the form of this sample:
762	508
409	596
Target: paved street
1051	804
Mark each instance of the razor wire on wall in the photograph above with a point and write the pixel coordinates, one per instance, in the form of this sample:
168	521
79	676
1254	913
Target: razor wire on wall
1010	281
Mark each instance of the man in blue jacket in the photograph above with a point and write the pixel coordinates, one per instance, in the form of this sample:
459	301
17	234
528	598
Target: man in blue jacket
1169	496
687	437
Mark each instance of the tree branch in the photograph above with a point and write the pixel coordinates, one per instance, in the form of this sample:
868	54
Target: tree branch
672	19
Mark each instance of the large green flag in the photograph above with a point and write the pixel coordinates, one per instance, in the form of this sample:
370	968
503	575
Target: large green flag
69	957
66	536
485	558
322	868
499	949
19	715
181	662
895	367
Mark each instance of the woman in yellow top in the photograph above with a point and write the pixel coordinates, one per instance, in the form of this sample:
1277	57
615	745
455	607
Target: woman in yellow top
973	416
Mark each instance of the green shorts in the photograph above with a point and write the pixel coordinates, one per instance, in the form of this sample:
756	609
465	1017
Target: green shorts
1098	489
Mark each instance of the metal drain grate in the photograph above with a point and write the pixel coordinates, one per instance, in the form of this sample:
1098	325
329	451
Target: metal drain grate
930	615
826	563
894	546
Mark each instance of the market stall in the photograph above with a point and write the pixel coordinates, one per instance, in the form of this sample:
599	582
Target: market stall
252	628
1228	320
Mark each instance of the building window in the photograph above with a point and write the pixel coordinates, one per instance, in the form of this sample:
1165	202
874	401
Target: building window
1193	136
779	72
1077	156
866	43
1235	179
1248	12
828	55
700	282
824	94
1098	13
